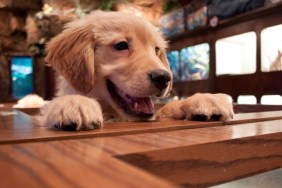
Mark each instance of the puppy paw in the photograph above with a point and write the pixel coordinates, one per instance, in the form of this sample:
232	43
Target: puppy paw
199	107
71	113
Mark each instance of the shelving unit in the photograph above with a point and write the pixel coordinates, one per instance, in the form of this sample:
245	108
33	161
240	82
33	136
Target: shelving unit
257	84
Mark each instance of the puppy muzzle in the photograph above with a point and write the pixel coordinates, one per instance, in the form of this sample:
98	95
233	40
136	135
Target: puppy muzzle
160	79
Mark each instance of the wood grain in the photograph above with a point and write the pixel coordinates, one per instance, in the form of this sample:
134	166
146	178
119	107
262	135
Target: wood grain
212	163
62	164
248	108
255	117
145	142
18	127
138	154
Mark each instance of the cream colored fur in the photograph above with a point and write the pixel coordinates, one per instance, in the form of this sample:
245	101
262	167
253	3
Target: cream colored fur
30	101
84	57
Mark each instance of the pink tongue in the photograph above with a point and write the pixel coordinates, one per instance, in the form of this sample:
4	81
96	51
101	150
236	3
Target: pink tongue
143	105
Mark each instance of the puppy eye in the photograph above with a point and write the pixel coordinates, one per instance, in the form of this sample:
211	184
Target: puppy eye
121	46
157	49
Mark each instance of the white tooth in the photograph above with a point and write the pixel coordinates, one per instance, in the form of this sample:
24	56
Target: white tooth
135	105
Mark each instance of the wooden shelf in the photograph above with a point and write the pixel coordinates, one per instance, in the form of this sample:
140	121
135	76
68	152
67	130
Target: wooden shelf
139	154
257	84
19	5
260	12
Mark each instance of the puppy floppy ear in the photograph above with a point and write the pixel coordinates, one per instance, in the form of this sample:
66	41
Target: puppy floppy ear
71	53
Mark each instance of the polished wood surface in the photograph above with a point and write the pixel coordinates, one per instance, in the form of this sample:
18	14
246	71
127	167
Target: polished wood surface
138	154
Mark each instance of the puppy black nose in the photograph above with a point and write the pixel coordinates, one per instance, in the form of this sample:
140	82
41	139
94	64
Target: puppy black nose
160	78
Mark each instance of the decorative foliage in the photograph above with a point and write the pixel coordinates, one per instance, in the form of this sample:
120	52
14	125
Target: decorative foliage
44	25
195	62
173	23
171	5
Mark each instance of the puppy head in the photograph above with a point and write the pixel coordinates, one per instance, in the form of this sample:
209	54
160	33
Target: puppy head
115	57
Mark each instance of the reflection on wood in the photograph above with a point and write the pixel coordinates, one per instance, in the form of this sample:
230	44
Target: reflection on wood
62	164
213	163
138	154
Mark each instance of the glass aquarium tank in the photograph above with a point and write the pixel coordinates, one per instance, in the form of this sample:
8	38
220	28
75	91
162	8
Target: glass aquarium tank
173	58
271	49
22	76
195	62
236	55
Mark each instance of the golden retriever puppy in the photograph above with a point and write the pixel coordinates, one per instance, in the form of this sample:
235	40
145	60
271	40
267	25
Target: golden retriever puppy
110	64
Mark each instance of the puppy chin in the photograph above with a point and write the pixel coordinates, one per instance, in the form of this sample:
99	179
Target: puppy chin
127	117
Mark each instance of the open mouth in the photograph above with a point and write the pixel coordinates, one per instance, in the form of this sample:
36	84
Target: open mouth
140	107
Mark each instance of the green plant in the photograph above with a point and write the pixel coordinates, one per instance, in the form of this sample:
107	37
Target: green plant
170	5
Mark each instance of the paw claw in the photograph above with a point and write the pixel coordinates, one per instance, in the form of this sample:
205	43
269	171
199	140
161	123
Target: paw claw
96	124
231	116
56	127
199	107
69	127
215	117
72	113
199	117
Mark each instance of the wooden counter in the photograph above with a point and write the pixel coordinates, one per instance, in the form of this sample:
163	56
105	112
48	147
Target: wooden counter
138	154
